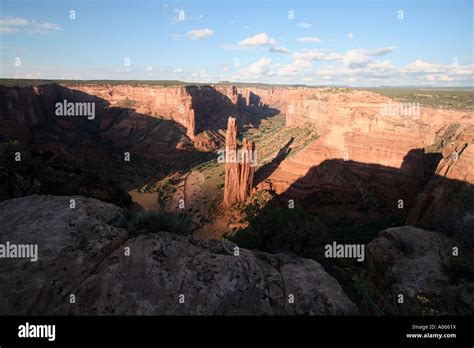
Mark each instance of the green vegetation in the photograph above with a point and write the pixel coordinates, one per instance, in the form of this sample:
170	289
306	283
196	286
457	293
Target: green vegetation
127	103
448	98
156	221
164	189
369	297
42	172
442	140
273	135
277	229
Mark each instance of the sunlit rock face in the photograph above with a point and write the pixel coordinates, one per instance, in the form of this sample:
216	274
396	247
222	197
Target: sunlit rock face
354	127
239	171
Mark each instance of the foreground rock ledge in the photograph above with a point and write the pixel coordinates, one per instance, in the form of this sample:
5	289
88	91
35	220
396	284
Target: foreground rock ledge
81	252
412	260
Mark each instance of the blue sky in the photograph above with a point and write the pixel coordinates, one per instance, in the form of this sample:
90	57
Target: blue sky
360	43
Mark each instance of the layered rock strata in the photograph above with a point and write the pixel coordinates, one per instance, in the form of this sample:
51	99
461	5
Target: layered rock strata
239	167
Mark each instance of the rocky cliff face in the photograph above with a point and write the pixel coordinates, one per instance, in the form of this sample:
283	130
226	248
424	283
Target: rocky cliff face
239	171
383	155
100	144
83	252
200	112
421	271
379	153
412	260
352	127
447	202
86	252
247	169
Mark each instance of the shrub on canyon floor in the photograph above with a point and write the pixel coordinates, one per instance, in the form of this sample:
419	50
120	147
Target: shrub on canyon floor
156	221
282	230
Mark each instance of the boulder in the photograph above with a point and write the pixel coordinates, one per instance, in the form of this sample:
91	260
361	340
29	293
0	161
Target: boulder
84	252
410	260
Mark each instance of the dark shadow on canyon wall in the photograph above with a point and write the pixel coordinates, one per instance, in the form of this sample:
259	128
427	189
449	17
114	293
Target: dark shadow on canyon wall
212	109
264	172
351	202
74	155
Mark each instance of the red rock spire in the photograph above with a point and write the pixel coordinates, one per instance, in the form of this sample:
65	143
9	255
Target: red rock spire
239	168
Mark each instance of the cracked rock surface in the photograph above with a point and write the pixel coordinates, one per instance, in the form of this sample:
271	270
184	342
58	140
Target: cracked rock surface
82	252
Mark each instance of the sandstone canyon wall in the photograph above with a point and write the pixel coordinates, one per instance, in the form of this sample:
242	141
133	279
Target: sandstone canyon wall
352	128
447	202
349	122
202	111
199	111
367	166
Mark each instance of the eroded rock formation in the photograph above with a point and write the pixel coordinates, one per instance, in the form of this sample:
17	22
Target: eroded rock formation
239	169
351	126
363	158
200	112
385	153
247	169
447	202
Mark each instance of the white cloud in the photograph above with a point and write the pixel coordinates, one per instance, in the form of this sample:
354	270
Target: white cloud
178	70
254	71
10	25
198	34
278	49
317	54
13	21
350	36
258	40
352	59
378	51
424	67
304	25
363	57
416	73
43	26
260	67
308	39
200	74
150	68
294	68
6	30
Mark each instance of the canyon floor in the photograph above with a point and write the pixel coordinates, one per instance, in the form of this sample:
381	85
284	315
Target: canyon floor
333	166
